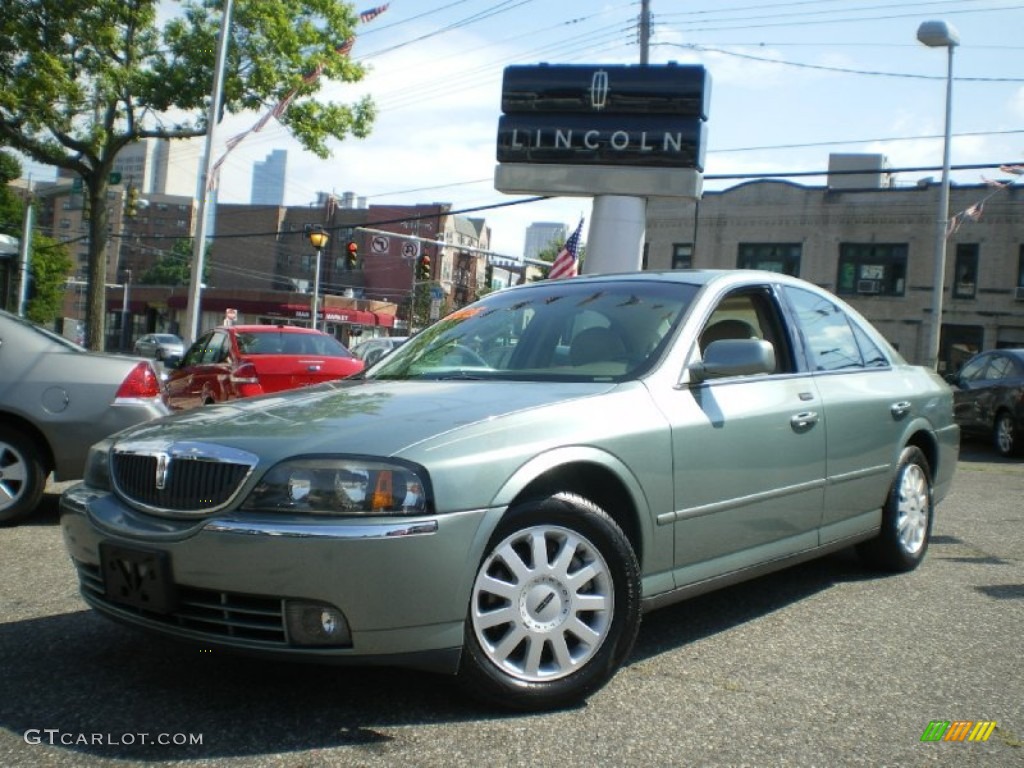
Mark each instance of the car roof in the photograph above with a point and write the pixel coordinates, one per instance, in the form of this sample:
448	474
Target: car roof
270	329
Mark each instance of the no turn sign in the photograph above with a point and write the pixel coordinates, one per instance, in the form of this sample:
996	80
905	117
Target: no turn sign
411	249
380	244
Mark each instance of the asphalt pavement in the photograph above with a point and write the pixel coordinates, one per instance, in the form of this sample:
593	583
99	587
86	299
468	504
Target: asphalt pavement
824	664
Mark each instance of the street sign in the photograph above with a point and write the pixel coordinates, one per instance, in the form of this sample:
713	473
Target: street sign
411	249
380	244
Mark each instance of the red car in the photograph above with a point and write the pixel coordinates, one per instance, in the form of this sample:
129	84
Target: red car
247	360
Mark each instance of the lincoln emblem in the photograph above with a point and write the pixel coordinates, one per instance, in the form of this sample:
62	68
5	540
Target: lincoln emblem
599	89
162	466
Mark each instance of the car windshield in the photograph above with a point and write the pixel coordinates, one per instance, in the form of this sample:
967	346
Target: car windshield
552	331
275	342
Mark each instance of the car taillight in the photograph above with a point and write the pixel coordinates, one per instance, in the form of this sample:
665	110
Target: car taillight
140	383
245	374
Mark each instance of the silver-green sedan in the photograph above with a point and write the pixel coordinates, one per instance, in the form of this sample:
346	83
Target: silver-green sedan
504	495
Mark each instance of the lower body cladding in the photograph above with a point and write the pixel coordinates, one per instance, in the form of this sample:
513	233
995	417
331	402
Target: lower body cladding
388	591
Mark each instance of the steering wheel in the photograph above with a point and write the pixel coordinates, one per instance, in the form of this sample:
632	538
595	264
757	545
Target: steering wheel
466	356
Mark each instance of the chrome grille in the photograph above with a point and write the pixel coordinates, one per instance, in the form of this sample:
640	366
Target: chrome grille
178	478
202	611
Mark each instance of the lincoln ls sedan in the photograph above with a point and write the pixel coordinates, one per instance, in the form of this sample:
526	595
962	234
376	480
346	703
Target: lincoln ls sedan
503	496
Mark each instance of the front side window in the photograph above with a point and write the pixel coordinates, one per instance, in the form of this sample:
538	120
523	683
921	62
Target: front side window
773	257
878	269
834	341
556	330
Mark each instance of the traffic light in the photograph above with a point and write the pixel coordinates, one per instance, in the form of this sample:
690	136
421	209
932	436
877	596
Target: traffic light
352	254
131	206
423	272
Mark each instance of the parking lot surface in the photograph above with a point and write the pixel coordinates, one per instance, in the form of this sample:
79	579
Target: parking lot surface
823	664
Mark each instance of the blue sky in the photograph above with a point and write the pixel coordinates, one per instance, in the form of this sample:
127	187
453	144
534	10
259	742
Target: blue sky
791	82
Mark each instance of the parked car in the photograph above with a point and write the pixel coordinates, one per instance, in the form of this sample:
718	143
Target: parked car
56	400
159	345
372	350
504	494
231	362
988	400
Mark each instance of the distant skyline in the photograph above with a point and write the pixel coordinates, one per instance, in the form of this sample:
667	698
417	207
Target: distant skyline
791	82
269	177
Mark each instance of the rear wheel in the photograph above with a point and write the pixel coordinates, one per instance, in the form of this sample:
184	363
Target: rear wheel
1004	435
22	476
555	606
906	519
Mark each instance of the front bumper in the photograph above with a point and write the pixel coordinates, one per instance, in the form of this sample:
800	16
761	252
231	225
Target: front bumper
402	585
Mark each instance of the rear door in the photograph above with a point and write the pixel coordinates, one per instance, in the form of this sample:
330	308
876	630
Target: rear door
866	405
286	360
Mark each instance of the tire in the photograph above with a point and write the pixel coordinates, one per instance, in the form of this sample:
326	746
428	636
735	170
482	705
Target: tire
1004	435
22	476
538	636
906	519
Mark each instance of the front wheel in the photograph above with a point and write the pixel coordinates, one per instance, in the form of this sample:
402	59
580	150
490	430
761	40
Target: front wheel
906	518
22	476
555	606
1004	435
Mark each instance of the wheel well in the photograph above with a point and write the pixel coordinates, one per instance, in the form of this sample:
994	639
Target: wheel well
927	445
597	484
29	430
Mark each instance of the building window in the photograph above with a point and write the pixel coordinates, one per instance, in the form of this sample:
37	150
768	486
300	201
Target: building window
682	255
773	257
872	269
965	271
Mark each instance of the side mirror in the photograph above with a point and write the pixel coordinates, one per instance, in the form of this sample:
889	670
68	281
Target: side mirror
733	357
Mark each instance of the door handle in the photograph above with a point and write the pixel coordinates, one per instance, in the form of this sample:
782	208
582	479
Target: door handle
803	421
900	409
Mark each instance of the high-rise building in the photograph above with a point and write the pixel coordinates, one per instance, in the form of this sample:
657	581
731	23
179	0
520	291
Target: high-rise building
268	179
542	235
161	166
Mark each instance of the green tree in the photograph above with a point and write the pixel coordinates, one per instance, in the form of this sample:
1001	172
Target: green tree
81	79
50	266
175	266
12	207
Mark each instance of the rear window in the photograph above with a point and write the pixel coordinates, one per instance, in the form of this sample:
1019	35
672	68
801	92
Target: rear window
283	343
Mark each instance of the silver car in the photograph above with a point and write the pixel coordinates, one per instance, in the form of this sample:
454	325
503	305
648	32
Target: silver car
159	345
56	400
372	350
504	495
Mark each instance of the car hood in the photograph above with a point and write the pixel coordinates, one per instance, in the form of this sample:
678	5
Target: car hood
382	418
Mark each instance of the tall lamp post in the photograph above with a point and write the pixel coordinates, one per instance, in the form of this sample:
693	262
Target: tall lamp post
318	239
940	34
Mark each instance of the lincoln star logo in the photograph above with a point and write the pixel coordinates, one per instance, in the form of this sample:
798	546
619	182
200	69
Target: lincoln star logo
163	466
599	89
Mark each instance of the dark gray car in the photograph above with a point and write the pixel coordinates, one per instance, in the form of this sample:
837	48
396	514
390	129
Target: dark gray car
56	400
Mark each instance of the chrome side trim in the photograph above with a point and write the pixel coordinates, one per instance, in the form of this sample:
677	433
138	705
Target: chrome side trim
331	531
740	501
860	474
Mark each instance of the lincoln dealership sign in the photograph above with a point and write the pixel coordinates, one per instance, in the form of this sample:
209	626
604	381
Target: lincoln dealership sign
562	124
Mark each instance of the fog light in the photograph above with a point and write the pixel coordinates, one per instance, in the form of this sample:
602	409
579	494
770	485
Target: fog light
316	624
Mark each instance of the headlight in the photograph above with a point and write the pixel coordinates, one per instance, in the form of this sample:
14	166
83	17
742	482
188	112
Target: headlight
342	486
97	465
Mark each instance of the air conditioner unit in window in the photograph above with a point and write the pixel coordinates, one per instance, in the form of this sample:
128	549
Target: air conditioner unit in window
869	286
1020	293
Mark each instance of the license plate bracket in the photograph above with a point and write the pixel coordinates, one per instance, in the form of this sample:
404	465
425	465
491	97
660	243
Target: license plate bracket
138	578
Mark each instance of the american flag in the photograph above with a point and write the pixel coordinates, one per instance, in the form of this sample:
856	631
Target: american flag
566	263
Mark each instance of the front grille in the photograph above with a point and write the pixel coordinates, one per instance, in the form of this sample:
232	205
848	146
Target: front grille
183	478
203	612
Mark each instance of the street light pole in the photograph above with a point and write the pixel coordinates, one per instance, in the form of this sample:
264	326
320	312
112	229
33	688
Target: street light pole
940	34
318	239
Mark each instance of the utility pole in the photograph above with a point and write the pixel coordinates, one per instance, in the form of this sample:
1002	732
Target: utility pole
645	32
193	309
26	250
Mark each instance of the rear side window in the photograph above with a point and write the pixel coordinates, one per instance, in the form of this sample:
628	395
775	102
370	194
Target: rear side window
834	341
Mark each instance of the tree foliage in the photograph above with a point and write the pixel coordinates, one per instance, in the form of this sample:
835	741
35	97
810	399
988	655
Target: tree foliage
50	266
175	267
81	79
12	207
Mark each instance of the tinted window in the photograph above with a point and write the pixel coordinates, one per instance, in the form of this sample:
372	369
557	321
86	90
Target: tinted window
833	340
